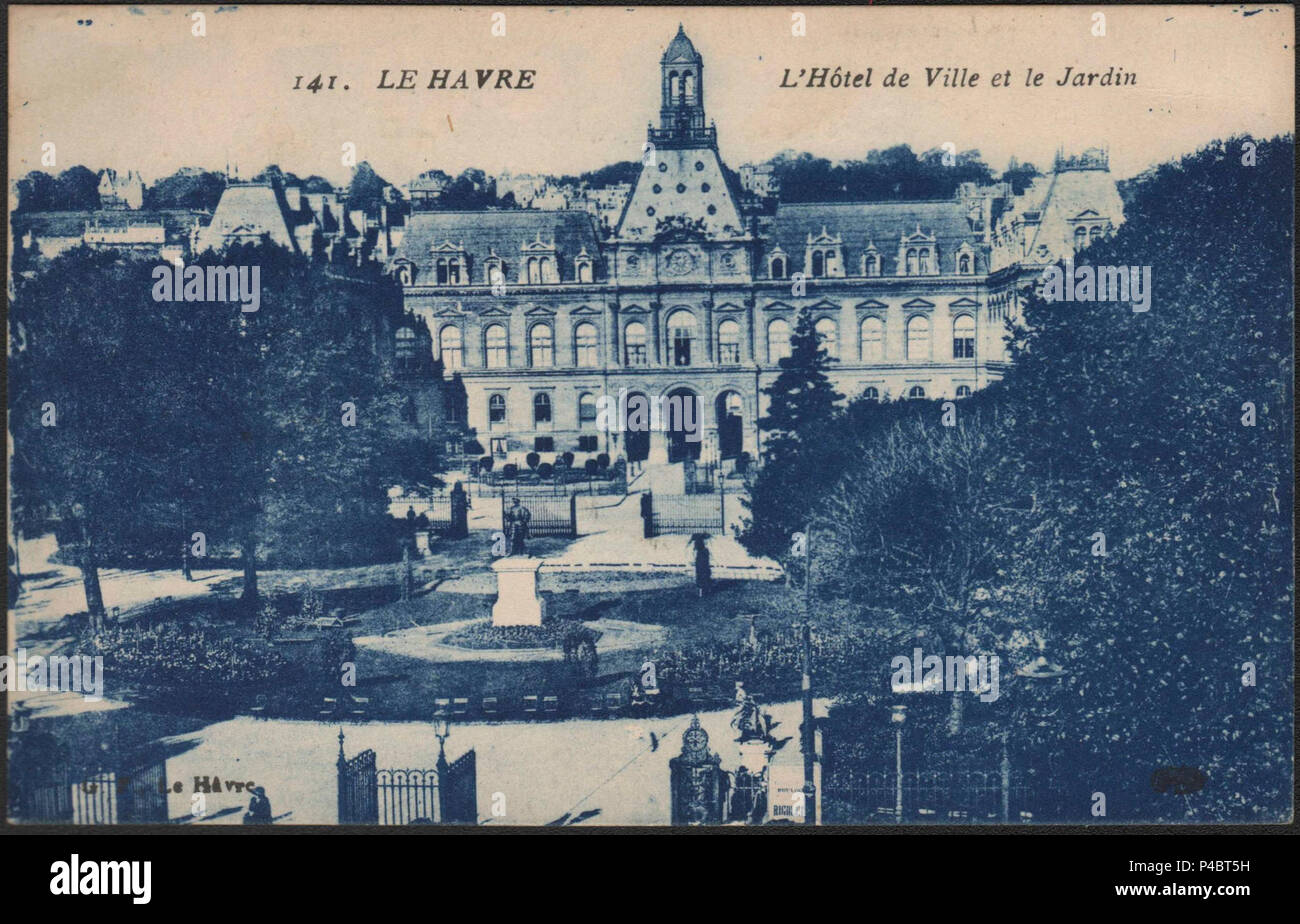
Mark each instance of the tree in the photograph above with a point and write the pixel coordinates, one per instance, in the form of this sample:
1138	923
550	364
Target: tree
83	337
35	192
277	430
801	411
1120	506
188	188
366	191
77	188
310	426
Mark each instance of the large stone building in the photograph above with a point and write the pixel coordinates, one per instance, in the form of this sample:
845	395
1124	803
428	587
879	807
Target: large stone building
693	294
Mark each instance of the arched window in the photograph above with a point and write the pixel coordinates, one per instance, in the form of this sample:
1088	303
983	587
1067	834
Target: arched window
674	85
544	269
728	343
871	393
818	263
449	348
1080	238
585	348
963	391
778	268
534	271
541	408
963	264
584	271
925	261
497	409
918	339
495	347
404	344
541	347
916	391
778	340
688	86
453	271
963	337
873	340
681	332
1094	234
586	410
871	265
911	262
634	343
828	336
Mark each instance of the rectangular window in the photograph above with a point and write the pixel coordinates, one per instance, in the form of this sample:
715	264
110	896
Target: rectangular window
588	443
544	444
963	348
636	354
729	353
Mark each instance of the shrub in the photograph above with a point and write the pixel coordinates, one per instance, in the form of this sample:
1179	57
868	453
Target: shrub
590	466
567	458
510	470
602	461
485	464
532	459
545	470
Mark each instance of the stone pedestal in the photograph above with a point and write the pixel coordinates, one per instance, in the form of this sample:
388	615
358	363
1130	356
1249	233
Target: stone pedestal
517	603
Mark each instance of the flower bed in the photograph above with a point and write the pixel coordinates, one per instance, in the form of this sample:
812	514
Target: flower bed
551	634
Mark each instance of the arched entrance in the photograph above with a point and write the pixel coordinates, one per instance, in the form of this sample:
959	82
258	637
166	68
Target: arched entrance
681	418
730	410
636	427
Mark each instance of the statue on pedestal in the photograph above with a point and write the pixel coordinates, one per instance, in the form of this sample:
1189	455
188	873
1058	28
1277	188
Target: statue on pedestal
515	526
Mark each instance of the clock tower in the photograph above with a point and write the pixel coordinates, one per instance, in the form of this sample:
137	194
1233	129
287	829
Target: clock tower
683	191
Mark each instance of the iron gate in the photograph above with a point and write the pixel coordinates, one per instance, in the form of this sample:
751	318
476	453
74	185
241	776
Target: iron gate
404	796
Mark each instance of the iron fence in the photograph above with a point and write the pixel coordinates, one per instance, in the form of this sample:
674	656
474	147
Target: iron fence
852	796
548	516
684	514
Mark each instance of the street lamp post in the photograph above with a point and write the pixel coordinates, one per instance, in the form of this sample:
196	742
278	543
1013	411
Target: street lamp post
442	730
898	715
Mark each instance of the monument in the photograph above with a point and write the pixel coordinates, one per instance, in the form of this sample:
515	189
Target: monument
517	603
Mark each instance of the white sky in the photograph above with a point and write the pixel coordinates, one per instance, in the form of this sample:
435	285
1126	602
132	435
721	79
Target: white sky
138	90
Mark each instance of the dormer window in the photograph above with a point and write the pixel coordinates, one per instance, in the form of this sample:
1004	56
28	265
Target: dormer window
450	264
494	270
405	274
918	254
964	265
778	267
823	255
539	264
871	263
583	266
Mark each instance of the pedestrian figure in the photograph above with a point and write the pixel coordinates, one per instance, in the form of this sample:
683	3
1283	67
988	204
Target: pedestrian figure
259	808
703	568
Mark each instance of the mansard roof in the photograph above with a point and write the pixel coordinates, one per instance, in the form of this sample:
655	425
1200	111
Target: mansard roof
257	207
502	234
1053	200
883	224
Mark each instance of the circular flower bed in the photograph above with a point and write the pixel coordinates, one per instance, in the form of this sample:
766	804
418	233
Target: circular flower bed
551	634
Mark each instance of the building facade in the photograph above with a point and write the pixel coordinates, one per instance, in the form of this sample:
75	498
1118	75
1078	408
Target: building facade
694	294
